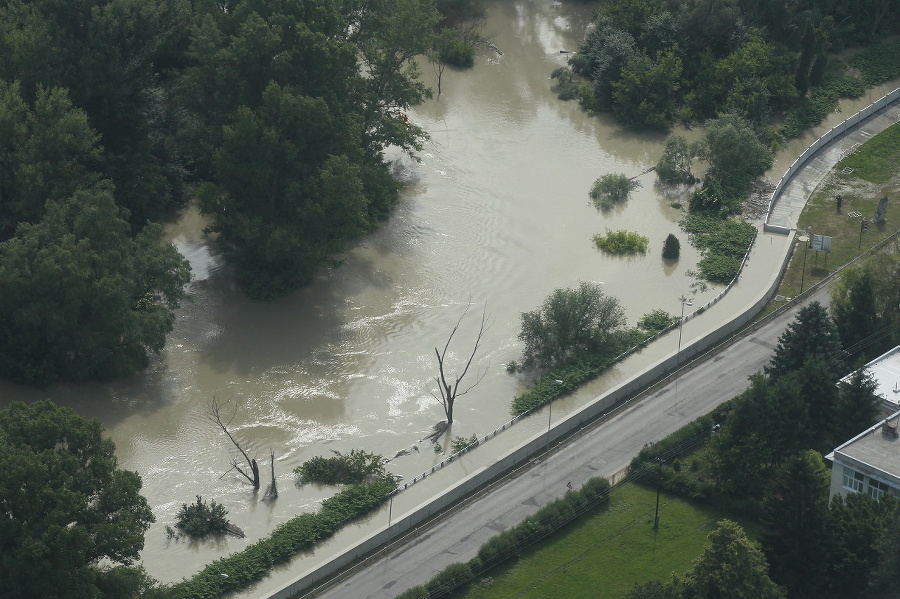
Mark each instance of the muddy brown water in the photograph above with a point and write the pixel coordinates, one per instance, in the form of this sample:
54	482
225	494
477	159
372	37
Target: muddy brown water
496	214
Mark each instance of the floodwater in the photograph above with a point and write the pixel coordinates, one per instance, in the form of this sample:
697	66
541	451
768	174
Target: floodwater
495	214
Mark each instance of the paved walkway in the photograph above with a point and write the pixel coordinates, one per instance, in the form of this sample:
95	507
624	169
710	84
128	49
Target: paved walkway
795	194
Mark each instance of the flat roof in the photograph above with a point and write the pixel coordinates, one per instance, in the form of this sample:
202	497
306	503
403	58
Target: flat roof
885	370
876	451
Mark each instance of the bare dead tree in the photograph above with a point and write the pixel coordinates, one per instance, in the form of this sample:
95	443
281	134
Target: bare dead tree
215	410
449	386
272	490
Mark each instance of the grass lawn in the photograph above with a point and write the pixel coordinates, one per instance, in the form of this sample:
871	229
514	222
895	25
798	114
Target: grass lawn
875	174
603	556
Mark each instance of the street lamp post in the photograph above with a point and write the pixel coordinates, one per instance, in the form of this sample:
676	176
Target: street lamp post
684	302
805	241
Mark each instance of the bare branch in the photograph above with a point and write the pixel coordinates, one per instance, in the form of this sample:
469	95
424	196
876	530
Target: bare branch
449	391
215	410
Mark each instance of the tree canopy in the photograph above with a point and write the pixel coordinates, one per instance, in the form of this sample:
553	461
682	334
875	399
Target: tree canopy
82	299
66	504
569	321
812	333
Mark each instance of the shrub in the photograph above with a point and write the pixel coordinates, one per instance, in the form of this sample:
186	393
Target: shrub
622	242
611	189
671	248
353	468
200	520
460	443
450	578
568	83
656	321
456	52
722	244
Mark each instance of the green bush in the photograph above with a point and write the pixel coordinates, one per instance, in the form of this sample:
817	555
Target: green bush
722	245
456	52
611	189
568	83
460	443
451	577
655	321
622	242
352	468
879	63
671	248
200	520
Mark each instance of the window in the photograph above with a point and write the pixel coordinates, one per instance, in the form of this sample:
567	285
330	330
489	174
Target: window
877	489
853	480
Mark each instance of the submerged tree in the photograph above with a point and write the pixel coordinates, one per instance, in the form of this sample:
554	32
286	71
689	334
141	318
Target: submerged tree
81	298
611	189
675	164
570	321
448	385
252	473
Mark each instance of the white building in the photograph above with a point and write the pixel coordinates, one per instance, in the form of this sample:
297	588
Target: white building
885	369
869	462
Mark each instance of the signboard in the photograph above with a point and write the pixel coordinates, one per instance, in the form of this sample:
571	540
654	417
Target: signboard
821	243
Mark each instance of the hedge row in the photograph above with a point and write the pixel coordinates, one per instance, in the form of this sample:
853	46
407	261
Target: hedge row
509	543
244	568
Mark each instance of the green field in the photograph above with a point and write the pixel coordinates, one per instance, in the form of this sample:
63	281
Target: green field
603	556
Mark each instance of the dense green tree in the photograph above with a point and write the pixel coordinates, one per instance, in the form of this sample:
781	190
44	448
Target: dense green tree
81	299
66	505
675	164
645	95
601	57
748	81
855	310
817	382
795	534
657	589
569	321
111	56
887	544
731	566
47	152
858	406
289	195
734	152
854	525
671	247
811	333
767	423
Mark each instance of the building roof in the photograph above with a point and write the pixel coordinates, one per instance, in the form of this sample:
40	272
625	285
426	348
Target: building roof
885	369
875	451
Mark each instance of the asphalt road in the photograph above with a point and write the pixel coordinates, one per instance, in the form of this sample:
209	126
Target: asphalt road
603	450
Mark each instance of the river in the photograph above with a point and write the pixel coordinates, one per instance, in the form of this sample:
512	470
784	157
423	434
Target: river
495	214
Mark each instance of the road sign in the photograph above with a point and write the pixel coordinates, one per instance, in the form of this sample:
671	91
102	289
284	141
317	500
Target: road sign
821	243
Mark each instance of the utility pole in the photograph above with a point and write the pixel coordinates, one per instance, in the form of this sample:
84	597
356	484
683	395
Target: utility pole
805	240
